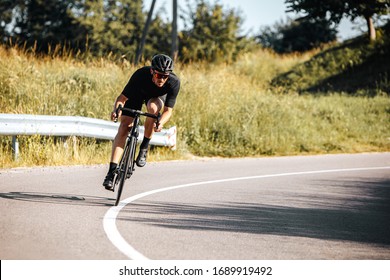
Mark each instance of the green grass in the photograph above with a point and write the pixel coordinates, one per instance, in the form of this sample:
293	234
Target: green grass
356	67
222	110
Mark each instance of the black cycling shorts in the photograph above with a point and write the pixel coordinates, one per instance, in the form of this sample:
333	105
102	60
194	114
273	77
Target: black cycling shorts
136	102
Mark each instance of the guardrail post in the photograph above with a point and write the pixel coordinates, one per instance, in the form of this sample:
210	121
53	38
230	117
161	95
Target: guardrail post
74	145
15	147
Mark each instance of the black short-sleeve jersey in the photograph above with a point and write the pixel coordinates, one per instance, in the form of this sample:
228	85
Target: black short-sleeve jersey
141	85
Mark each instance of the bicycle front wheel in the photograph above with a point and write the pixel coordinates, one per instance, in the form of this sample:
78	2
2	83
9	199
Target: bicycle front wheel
127	164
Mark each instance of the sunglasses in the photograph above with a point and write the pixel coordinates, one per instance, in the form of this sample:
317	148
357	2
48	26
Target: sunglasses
160	75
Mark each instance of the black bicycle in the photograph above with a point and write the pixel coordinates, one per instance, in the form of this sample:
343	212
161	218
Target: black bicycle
126	165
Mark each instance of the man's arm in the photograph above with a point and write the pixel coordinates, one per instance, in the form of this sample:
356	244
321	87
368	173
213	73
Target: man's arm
120	100
166	115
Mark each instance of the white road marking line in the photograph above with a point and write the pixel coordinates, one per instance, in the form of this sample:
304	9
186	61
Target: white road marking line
109	220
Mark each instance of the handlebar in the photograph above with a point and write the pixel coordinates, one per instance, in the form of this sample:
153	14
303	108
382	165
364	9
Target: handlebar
139	113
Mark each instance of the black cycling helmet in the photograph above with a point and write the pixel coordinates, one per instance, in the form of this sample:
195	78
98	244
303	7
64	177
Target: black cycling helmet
162	63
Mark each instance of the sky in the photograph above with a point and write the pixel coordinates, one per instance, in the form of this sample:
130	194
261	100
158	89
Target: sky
258	13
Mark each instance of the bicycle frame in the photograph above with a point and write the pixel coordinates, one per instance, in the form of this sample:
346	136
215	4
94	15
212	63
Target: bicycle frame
126	165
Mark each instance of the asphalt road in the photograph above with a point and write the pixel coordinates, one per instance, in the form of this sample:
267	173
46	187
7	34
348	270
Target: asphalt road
306	207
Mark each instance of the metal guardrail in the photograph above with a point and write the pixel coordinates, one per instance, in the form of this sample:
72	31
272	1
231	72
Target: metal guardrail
14	125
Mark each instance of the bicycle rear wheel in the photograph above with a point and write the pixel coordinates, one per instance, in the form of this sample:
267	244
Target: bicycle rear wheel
126	166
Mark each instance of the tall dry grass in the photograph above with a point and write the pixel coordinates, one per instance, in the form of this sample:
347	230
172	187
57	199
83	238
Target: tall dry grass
222	110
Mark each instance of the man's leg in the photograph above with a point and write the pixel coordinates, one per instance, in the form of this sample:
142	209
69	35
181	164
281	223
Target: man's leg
117	150
154	106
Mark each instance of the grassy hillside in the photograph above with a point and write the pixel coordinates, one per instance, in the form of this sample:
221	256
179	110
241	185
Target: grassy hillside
355	67
222	110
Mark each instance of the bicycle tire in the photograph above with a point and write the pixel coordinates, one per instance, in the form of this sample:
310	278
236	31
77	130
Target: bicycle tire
119	170
126	163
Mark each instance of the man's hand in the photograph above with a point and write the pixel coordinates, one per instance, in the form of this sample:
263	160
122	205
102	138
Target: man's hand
119	102
158	128
116	114
114	117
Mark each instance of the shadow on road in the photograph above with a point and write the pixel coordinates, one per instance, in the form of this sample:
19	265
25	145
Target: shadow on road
352	211
57	198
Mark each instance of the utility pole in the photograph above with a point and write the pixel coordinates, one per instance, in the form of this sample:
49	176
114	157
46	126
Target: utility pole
140	48
174	47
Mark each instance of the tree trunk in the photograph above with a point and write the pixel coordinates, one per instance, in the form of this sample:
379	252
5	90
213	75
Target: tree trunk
174	48
371	28
144	33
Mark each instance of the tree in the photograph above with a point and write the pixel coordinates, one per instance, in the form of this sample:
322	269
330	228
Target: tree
7	16
335	10
211	34
45	22
99	26
123	21
297	35
90	19
115	26
158	39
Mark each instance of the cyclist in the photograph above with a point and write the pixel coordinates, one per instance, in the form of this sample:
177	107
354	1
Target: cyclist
156	86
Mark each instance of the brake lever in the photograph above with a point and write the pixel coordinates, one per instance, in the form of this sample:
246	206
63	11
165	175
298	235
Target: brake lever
120	107
158	120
